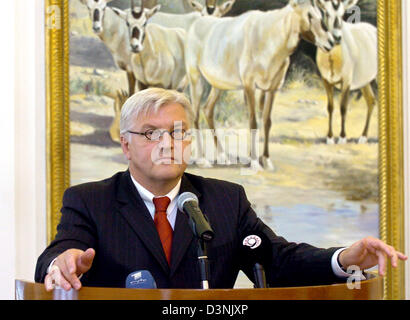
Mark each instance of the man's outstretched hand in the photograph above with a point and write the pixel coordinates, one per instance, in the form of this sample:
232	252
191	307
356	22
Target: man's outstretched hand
369	252
67	268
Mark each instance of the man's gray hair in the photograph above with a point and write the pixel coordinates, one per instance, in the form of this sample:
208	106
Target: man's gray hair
150	100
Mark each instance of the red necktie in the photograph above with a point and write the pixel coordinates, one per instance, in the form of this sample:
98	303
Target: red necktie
162	224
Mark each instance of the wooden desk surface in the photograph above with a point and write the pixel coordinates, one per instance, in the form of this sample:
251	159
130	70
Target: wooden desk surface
371	289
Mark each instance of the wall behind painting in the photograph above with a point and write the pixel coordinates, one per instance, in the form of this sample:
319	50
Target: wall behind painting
22	182
7	208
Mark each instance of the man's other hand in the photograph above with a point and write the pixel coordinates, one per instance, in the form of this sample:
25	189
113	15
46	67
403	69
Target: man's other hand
369	252
67	268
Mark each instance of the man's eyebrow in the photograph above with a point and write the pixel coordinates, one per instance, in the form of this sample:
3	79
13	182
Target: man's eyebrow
178	123
148	126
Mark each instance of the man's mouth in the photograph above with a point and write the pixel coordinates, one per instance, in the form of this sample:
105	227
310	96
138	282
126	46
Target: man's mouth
165	160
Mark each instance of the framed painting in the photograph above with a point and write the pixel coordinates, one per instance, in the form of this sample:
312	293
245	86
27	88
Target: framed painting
311	184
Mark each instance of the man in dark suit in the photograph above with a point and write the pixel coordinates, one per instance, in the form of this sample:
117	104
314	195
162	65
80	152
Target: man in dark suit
130	221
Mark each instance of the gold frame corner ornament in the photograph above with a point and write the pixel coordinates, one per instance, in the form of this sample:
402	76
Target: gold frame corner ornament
391	179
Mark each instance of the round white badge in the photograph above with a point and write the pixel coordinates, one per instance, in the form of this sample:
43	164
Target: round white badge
252	241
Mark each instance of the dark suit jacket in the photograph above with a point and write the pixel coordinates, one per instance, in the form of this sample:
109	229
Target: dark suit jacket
111	217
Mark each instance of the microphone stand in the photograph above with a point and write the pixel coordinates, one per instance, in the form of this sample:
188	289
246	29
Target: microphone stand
259	274
203	263
202	256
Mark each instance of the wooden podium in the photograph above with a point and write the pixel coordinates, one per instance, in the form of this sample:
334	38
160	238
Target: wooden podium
370	289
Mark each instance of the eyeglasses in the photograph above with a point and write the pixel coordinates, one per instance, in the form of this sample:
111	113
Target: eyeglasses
156	134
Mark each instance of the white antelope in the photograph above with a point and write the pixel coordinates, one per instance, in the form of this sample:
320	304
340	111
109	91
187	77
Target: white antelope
349	66
211	8
185	20
158	52
249	52
113	32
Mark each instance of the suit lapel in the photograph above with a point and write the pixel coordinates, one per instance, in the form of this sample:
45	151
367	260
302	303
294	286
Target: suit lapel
133	209
183	234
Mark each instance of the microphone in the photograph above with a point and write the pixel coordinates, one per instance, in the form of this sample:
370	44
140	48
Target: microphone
258	250
188	203
141	279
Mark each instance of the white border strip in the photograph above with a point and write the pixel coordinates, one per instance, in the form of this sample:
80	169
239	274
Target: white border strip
406	138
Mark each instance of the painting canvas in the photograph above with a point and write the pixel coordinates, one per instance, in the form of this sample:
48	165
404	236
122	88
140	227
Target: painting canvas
316	188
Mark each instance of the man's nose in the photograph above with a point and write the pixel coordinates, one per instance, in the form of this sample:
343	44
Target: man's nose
166	139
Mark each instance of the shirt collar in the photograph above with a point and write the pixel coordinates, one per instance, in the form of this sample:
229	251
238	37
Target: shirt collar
148	196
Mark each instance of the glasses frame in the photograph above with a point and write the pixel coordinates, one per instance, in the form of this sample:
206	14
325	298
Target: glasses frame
185	133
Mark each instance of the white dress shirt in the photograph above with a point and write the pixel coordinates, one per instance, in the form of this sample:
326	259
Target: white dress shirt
147	197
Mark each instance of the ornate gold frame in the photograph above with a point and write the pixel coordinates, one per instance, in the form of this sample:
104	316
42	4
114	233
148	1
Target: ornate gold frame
57	113
391	180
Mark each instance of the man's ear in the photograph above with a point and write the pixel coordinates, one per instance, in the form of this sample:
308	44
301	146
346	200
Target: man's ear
125	146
